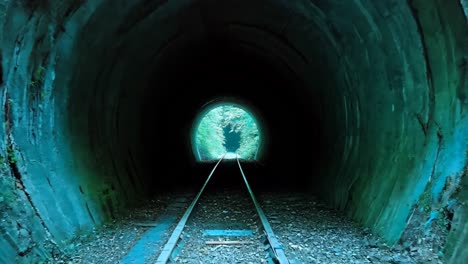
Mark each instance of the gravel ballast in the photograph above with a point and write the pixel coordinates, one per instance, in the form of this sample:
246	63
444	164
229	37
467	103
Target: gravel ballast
309	231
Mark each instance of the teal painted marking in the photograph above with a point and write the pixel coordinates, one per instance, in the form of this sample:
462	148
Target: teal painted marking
144	248
220	232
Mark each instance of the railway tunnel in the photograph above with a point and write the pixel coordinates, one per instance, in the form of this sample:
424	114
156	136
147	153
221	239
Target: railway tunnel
363	103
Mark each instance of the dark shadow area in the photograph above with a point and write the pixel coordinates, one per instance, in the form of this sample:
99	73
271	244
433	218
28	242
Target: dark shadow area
232	142
191	76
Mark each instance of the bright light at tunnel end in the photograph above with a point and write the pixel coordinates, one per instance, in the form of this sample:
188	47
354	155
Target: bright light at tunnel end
226	131
231	156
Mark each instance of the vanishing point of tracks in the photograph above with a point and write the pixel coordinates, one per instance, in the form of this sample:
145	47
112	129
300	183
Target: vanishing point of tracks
276	250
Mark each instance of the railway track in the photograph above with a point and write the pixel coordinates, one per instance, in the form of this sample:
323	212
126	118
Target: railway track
271	243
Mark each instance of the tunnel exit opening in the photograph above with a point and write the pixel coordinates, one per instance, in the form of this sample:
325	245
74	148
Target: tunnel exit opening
226	130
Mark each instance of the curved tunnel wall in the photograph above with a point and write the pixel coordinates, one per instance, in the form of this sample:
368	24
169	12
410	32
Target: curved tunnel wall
383	86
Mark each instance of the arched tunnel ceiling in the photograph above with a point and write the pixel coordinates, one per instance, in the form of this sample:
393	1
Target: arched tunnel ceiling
364	102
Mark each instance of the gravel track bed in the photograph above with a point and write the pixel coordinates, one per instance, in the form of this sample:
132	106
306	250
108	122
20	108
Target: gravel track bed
314	233
232	210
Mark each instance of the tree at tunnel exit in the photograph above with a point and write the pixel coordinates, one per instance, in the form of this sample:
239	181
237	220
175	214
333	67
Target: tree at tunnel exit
210	136
213	133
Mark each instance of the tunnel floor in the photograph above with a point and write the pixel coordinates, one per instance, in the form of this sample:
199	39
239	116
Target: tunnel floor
310	232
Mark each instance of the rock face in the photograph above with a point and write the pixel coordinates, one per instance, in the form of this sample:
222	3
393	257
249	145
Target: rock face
82	84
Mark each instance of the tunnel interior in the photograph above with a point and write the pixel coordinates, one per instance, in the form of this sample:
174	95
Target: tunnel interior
216	68
363	104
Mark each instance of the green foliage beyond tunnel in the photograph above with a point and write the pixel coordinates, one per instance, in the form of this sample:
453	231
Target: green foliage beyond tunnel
213	139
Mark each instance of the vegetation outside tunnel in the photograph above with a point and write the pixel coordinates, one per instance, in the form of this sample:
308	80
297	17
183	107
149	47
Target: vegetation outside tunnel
226	128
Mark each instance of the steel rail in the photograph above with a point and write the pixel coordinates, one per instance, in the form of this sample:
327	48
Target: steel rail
274	243
172	242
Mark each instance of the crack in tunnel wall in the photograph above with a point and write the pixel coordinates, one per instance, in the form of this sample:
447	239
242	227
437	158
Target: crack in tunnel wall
383	84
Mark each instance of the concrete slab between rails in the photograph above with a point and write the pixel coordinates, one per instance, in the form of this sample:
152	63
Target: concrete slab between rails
226	232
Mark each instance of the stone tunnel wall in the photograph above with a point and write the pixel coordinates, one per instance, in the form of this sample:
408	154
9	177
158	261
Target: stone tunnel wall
46	195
